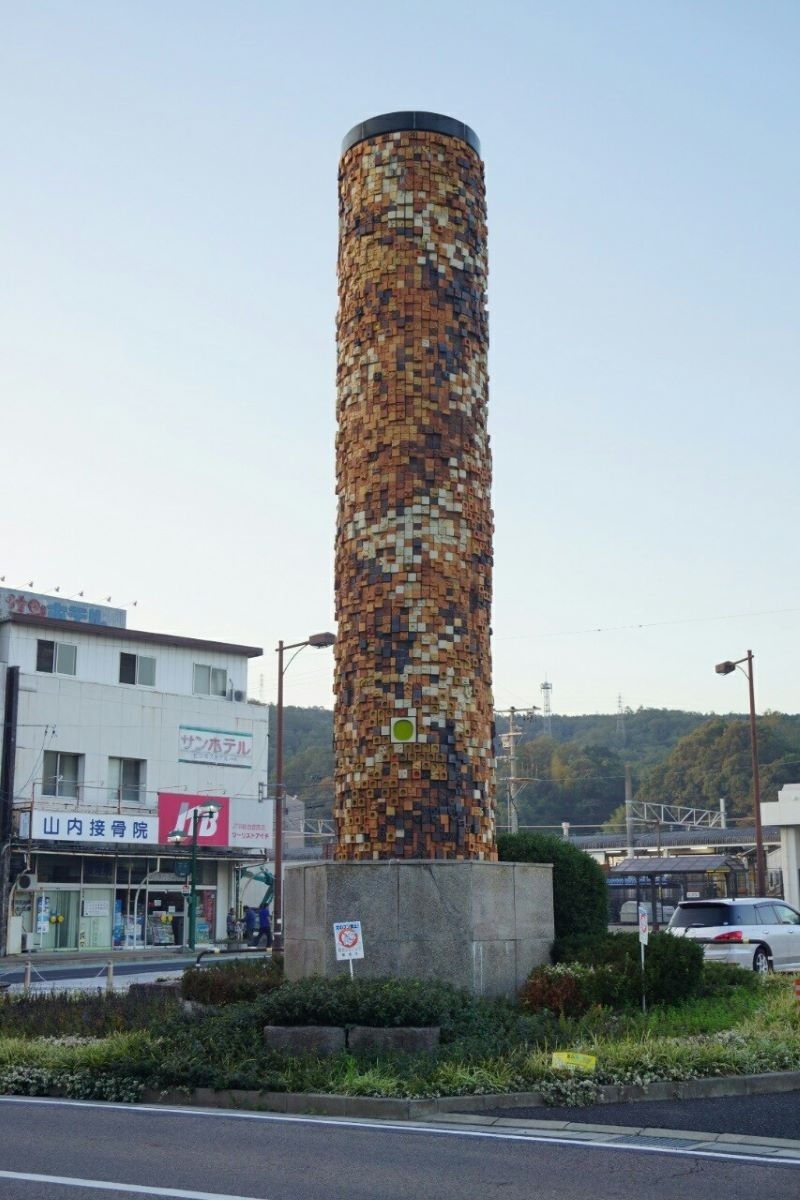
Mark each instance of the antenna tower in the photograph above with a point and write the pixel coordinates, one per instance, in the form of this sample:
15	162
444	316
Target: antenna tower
546	688
620	719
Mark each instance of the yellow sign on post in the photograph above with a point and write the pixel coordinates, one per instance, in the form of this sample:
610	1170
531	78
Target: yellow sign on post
571	1060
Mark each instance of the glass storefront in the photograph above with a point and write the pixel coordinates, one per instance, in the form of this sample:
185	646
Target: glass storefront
90	902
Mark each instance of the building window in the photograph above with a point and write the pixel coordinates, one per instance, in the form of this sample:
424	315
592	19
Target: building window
56	657
209	681
61	774
135	668
126	780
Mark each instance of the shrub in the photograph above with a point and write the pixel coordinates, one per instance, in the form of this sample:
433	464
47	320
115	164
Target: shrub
568	989
231	982
580	900
377	1002
719	979
89	1014
79	1085
673	967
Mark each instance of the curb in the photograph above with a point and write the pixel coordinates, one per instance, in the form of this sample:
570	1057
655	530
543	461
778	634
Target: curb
392	1109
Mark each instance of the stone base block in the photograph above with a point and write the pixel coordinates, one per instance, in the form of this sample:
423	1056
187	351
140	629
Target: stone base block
305	1039
477	925
406	1038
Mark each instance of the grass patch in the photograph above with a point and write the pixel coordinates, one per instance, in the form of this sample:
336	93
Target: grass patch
739	1024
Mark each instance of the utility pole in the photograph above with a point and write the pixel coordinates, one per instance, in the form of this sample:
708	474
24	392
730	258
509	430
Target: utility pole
629	809
509	742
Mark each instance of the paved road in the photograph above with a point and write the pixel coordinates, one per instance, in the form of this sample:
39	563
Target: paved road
773	1116
91	976
55	1150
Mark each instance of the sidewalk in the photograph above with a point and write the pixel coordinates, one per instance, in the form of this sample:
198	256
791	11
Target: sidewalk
71	958
89	970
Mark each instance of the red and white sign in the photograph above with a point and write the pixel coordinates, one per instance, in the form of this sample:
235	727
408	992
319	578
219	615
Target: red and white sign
240	822
349	943
176	812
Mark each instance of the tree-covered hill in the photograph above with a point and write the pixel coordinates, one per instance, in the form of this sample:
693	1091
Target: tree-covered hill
578	773
716	761
642	737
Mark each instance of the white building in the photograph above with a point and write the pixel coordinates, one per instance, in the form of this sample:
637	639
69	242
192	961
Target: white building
112	739
785	813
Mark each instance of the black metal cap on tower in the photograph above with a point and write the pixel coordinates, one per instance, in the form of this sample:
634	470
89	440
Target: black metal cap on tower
400	122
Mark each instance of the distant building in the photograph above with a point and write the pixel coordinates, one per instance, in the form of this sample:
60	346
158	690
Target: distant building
112	738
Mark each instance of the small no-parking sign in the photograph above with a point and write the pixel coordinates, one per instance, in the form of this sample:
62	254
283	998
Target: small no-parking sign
644	927
644	932
348	939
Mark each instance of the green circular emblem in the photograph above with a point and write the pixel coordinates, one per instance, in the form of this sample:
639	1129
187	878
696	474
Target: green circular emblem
403	730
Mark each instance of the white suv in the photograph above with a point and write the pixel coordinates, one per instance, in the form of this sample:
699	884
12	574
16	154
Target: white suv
759	934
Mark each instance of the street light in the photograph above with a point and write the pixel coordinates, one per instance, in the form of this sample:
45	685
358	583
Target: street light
319	640
725	668
202	812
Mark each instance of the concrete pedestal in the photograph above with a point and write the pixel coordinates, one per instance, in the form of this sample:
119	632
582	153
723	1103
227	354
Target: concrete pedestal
478	925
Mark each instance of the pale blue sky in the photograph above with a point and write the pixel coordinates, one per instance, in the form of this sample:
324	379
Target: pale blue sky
168	228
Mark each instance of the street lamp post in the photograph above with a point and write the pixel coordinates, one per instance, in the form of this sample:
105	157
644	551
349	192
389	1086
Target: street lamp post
319	640
202	812
725	668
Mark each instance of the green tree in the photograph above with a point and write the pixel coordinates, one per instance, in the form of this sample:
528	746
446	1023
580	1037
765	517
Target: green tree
580	900
567	782
716	761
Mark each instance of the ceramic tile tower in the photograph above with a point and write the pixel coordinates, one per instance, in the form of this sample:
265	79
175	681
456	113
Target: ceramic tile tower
413	715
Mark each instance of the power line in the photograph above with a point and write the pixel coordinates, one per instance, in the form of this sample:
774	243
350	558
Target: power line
767	612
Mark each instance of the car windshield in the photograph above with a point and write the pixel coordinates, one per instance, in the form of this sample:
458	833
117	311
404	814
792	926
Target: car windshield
687	915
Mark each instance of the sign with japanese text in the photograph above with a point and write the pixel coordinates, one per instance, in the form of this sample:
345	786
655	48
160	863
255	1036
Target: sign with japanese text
252	823
241	822
47	825
34	604
217	746
349	943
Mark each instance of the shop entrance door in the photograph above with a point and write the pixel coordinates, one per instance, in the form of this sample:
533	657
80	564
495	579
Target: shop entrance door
56	916
167	918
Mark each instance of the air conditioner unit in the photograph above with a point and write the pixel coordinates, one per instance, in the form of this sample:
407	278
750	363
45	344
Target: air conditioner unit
238	695
27	882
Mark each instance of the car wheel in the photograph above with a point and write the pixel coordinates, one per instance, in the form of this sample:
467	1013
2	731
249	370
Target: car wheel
761	962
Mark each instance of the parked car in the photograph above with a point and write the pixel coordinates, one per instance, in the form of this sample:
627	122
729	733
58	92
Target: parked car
629	912
757	933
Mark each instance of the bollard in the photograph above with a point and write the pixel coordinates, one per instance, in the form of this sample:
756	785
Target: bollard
110	977
26	984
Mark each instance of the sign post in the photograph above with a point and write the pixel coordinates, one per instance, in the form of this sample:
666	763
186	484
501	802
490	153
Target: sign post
348	941
644	932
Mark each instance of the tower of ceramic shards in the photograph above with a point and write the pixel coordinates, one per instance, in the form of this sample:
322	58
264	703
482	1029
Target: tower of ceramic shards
413	714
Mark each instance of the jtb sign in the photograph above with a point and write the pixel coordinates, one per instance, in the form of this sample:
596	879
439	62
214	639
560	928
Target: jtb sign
240	822
176	812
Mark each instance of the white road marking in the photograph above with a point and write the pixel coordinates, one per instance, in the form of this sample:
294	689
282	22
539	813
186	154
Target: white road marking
728	1155
131	1188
